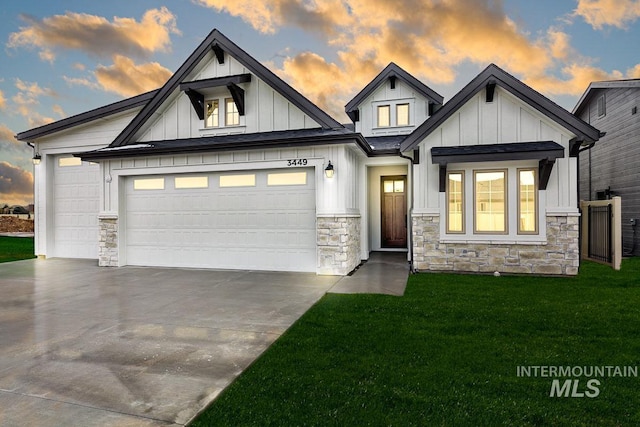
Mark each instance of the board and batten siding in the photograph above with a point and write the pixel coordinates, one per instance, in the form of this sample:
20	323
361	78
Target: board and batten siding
506	119
384	95
614	161
265	109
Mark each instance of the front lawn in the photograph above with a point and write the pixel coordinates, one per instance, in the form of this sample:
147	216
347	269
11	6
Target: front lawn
16	248
447	353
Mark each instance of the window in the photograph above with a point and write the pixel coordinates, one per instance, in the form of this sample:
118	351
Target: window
192	182
295	178
402	114
213	114
231	113
64	162
602	106
527	202
148	184
384	116
455	202
490	201
393	186
238	180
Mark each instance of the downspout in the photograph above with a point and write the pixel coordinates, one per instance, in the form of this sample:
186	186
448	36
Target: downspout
409	217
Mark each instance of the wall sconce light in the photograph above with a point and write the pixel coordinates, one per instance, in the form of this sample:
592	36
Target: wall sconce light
36	159
328	171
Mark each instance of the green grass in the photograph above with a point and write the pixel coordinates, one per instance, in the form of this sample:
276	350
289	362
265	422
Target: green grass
446	354
16	248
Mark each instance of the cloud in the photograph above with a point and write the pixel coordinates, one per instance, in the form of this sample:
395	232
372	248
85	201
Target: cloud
577	80
430	39
8	142
267	16
7	135
634	73
615	13
3	101
126	78
15	182
96	35
59	111
79	81
26	101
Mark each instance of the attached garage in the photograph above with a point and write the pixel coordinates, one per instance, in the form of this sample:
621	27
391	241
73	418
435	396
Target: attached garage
76	200
258	220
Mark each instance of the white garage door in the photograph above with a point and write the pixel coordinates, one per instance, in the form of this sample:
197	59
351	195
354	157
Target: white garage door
258	220
76	201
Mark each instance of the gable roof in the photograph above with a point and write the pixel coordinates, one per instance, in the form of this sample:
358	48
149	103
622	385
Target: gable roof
86	117
391	70
605	84
216	41
489	77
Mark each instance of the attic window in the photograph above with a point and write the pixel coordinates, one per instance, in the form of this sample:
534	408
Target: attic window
402	114
213	114
602	108
384	116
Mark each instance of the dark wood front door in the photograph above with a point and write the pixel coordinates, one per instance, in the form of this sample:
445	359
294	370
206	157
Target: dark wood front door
394	211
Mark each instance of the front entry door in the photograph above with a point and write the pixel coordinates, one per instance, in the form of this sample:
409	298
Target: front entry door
394	211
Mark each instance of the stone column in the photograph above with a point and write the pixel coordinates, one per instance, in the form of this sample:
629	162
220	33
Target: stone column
338	240
108	241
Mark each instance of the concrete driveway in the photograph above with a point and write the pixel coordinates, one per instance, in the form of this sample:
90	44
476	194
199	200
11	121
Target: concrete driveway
89	346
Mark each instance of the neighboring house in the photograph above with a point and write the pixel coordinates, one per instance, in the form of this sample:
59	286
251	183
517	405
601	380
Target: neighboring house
227	166
612	166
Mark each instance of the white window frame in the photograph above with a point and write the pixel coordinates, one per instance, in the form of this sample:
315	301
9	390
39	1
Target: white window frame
379	108
402	104
217	115
232	113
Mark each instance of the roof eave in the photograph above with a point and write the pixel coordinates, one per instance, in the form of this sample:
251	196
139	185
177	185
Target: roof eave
231	146
86	117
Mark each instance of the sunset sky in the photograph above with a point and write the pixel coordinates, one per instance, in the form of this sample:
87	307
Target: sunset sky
61	58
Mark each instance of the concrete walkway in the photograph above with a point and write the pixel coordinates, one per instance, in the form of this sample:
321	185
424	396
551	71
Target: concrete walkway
383	273
87	346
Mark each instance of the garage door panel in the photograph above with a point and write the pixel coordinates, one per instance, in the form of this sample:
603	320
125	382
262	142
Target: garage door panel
258	227
76	203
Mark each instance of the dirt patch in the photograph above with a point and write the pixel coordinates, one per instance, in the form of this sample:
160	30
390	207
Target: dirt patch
9	224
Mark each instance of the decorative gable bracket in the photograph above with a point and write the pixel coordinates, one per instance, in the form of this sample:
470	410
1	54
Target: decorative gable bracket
217	50
197	100
545	166
490	89
193	91
237	93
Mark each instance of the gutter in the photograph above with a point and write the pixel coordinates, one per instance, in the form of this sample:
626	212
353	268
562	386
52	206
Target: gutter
410	219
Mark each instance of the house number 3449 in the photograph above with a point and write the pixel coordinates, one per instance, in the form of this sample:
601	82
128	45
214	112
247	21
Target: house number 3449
297	162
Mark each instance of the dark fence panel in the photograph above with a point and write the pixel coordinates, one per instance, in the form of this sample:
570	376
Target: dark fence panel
600	233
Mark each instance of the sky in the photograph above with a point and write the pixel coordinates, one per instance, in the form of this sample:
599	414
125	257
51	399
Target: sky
62	58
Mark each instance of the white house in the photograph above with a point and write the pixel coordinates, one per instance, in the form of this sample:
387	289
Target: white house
227	166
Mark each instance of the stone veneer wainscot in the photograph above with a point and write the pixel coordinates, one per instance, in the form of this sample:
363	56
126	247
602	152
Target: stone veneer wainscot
108	241
559	256
338	239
